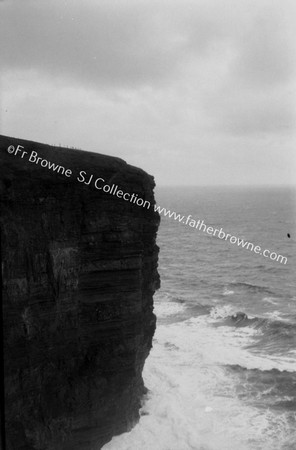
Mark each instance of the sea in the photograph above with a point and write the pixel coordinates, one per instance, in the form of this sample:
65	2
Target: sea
222	371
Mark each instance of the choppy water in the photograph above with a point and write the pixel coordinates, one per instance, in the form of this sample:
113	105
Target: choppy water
219	380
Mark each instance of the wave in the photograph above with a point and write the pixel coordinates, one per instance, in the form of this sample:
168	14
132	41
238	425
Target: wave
275	322
227	292
260	342
272	387
284	376
271	300
272	336
280	330
274	325
252	288
194	374
180	308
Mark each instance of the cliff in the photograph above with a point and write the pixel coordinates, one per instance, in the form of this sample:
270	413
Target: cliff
79	272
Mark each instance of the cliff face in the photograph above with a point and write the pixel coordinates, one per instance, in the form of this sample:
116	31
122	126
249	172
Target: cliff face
79	273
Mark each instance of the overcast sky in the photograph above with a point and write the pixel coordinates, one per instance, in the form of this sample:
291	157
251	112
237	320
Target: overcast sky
193	91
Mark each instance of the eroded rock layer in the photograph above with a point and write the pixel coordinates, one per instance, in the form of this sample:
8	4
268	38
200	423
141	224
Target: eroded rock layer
79	272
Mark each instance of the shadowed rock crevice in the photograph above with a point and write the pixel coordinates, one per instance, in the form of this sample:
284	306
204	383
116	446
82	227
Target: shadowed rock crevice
79	273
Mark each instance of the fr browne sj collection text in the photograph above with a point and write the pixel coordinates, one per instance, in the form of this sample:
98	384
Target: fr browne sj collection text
82	177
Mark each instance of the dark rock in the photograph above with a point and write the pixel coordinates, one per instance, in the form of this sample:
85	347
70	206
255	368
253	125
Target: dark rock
79	273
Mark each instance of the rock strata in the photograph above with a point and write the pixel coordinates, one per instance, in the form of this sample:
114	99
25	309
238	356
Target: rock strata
79	271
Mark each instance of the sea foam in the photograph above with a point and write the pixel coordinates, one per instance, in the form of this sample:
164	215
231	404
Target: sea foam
192	402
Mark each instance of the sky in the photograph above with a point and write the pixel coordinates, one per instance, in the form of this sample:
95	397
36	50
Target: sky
195	92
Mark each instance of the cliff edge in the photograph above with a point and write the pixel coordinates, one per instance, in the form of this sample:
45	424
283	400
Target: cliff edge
79	265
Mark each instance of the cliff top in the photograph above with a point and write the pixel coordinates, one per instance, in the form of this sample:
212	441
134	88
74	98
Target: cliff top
38	160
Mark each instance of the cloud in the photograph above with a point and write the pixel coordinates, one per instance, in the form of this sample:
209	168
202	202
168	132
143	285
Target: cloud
238	111
165	84
100	43
138	42
266	53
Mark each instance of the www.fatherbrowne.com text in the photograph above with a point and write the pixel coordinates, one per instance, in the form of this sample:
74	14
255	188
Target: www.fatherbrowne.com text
221	234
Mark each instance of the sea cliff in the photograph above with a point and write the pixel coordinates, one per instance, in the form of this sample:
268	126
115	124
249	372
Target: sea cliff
79	269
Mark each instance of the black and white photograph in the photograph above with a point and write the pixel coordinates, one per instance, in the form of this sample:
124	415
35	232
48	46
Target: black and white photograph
148	224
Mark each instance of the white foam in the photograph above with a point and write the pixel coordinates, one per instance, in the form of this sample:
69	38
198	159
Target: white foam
228	292
192	403
270	300
222	312
165	309
276	315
